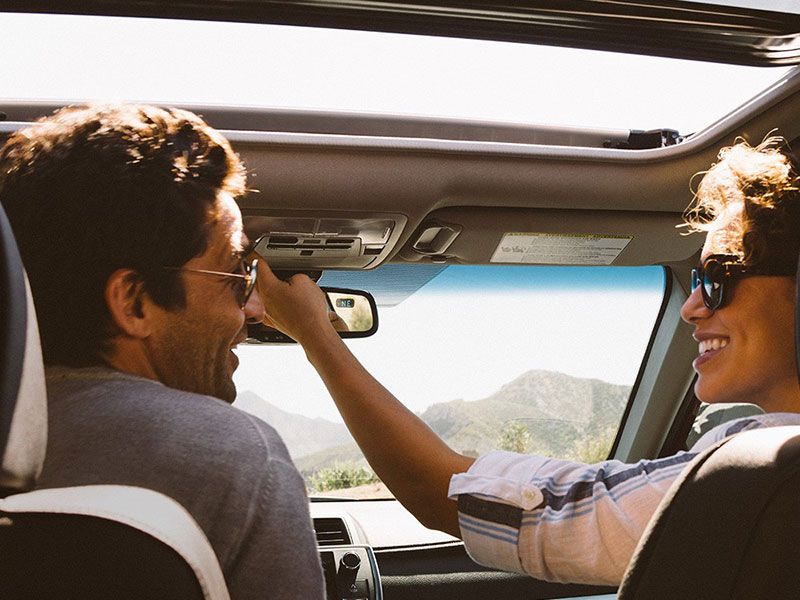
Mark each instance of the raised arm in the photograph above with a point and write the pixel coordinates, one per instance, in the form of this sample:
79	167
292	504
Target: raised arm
405	453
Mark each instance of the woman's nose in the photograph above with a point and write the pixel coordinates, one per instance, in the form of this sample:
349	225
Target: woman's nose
694	308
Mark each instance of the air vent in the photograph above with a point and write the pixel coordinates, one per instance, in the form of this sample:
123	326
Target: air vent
331	532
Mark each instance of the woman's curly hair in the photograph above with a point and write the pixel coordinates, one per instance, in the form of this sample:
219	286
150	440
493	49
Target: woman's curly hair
750	201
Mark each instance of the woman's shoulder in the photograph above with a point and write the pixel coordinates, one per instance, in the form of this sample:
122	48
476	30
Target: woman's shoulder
735	426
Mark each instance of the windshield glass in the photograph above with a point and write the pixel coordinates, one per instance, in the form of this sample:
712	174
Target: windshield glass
78	58
521	358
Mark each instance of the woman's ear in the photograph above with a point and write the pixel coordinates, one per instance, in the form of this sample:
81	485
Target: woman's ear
125	300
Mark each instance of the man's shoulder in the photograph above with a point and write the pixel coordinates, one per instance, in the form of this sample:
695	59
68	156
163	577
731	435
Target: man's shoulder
110	397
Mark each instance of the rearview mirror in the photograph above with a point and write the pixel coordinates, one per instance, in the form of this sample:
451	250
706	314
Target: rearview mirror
352	312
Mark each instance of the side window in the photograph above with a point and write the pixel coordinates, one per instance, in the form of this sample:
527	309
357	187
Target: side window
527	359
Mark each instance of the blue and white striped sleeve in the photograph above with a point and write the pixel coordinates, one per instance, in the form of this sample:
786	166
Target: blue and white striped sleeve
566	521
559	520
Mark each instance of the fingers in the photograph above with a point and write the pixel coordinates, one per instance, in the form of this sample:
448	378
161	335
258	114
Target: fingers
269	322
297	307
265	274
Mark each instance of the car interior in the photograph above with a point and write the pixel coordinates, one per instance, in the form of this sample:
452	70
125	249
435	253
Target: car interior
436	236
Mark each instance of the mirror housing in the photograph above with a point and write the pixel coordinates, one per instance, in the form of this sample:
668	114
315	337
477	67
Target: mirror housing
353	312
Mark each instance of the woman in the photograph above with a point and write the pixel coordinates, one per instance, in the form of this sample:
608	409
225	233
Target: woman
565	521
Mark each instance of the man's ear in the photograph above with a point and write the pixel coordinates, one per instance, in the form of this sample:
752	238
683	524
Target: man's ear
125	300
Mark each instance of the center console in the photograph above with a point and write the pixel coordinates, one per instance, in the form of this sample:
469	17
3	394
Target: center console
351	573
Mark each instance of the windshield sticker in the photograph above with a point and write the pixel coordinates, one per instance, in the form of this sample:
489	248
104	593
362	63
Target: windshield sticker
559	249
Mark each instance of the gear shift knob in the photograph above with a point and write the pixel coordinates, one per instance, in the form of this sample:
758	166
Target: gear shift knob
348	569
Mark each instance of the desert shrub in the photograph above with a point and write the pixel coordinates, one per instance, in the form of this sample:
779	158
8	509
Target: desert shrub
342	475
515	437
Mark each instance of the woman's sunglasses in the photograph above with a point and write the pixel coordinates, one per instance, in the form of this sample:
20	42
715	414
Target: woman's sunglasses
716	275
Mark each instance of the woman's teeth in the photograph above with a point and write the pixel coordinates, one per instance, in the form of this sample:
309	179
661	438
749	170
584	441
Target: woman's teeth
712	344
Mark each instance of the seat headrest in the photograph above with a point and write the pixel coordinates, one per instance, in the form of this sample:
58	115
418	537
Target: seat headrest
23	399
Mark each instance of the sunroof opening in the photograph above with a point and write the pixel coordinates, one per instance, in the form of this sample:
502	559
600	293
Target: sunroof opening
78	58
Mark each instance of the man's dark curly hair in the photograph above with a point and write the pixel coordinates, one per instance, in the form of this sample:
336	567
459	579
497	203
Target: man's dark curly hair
92	189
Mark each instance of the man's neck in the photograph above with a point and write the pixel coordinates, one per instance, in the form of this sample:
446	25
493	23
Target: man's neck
130	356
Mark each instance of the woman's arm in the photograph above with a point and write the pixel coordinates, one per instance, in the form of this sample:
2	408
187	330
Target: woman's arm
405	453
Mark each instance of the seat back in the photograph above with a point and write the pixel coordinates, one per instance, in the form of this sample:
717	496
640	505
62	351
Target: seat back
729	526
86	542
104	541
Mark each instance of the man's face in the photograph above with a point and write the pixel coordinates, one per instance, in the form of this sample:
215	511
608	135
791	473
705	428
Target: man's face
192	348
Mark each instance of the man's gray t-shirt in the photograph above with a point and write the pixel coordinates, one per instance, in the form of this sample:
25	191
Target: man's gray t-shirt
229	469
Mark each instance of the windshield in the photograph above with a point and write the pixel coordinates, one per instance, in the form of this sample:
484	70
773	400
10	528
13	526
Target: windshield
79	58
521	358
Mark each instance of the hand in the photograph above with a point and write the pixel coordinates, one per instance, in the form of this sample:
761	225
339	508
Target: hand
296	307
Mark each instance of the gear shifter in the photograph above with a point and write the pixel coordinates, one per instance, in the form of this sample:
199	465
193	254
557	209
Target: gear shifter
349	564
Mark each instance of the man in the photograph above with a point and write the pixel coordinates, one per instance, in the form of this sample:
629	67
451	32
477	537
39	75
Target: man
127	225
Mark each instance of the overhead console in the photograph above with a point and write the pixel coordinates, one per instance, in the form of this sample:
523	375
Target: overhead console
294	240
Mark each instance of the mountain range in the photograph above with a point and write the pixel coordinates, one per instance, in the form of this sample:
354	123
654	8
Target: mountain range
302	435
562	414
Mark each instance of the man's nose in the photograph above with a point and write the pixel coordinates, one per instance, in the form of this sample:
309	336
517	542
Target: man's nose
254	309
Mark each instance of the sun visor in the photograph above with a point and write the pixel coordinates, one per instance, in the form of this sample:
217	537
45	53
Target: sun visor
473	235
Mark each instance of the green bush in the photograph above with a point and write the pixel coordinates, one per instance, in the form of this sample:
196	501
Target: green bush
515	437
341	476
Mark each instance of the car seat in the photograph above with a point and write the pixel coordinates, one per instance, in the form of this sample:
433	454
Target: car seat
91	542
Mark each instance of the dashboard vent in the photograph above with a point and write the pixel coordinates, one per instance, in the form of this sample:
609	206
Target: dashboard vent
331	532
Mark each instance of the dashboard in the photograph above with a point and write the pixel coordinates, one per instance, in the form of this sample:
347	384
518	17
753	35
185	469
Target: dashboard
377	550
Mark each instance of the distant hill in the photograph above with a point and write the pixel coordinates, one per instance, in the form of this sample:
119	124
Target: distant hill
558	410
303	436
566	416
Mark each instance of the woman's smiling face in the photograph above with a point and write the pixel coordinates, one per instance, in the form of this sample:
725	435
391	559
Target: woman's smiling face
747	346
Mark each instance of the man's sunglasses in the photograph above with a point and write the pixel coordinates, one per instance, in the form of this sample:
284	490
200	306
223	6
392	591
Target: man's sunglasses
248	269
716	275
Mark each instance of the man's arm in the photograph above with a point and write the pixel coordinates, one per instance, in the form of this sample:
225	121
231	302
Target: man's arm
405	453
